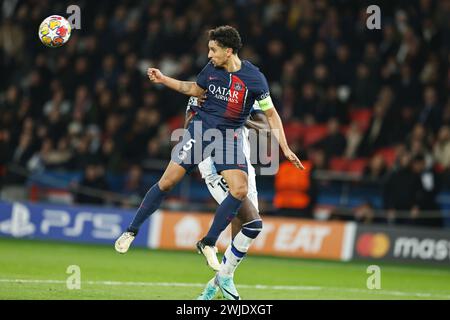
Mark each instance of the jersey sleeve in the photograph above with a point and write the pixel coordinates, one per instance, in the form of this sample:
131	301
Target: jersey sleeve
255	108
203	76
262	93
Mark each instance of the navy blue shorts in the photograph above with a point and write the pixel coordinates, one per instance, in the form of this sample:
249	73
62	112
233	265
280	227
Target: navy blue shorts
198	143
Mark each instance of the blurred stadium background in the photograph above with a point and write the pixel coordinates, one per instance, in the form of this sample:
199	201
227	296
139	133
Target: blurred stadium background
83	134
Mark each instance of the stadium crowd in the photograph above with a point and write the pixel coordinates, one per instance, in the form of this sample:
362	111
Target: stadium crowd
375	102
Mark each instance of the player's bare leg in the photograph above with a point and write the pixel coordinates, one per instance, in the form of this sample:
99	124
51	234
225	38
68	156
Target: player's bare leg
236	226
237	181
170	178
151	202
246	213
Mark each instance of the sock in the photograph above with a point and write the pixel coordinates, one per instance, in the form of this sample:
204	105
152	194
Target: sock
238	248
149	204
226	212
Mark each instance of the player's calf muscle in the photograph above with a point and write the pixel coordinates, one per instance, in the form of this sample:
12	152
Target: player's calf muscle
247	212
236	226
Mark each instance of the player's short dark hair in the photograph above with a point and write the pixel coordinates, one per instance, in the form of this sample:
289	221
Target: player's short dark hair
226	37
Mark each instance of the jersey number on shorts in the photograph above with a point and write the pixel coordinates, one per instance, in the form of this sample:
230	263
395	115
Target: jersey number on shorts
222	184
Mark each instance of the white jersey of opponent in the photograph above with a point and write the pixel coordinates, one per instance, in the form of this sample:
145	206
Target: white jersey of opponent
215	182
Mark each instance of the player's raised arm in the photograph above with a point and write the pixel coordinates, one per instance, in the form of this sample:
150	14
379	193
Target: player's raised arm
276	124
262	96
186	87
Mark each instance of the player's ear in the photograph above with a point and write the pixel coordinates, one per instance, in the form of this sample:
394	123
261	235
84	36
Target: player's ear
229	52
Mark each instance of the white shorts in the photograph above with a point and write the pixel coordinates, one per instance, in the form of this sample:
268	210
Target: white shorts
216	183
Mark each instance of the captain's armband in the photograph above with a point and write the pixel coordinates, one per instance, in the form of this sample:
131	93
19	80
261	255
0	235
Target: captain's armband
266	103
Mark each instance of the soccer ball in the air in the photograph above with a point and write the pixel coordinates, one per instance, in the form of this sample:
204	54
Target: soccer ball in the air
54	31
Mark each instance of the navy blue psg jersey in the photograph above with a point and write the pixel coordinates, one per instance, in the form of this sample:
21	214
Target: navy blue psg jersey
230	95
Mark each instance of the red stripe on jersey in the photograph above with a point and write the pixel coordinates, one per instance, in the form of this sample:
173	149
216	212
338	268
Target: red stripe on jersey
236	99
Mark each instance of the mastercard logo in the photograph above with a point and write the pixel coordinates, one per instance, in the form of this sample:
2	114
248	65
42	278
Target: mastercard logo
374	245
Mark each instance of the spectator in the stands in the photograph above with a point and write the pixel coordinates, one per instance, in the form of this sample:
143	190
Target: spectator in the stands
51	157
82	104
24	151
419	142
353	140
59	158
37	162
111	155
365	213
377	135
55	124
441	150
275	55
400	193
410	193
364	87
58	103
153	153
306	103
418	133
91	189
376	169
404	124
335	106
134	187
82	155
344	66
407	88
427	212
318	158
431	113
334	142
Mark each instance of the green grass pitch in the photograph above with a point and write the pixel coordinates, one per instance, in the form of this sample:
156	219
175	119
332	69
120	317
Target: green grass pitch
37	270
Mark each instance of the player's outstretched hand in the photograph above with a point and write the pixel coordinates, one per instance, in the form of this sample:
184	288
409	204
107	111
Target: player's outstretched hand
294	159
155	75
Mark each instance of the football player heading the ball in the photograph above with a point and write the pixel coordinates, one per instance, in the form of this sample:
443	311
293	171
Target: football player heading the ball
231	86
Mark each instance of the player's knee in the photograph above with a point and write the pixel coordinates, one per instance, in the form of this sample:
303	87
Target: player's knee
240	191
253	228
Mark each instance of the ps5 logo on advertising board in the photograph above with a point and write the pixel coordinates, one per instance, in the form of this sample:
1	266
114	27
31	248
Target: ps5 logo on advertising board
76	224
19	225
104	226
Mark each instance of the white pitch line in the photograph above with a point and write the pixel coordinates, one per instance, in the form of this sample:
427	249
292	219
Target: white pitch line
242	286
